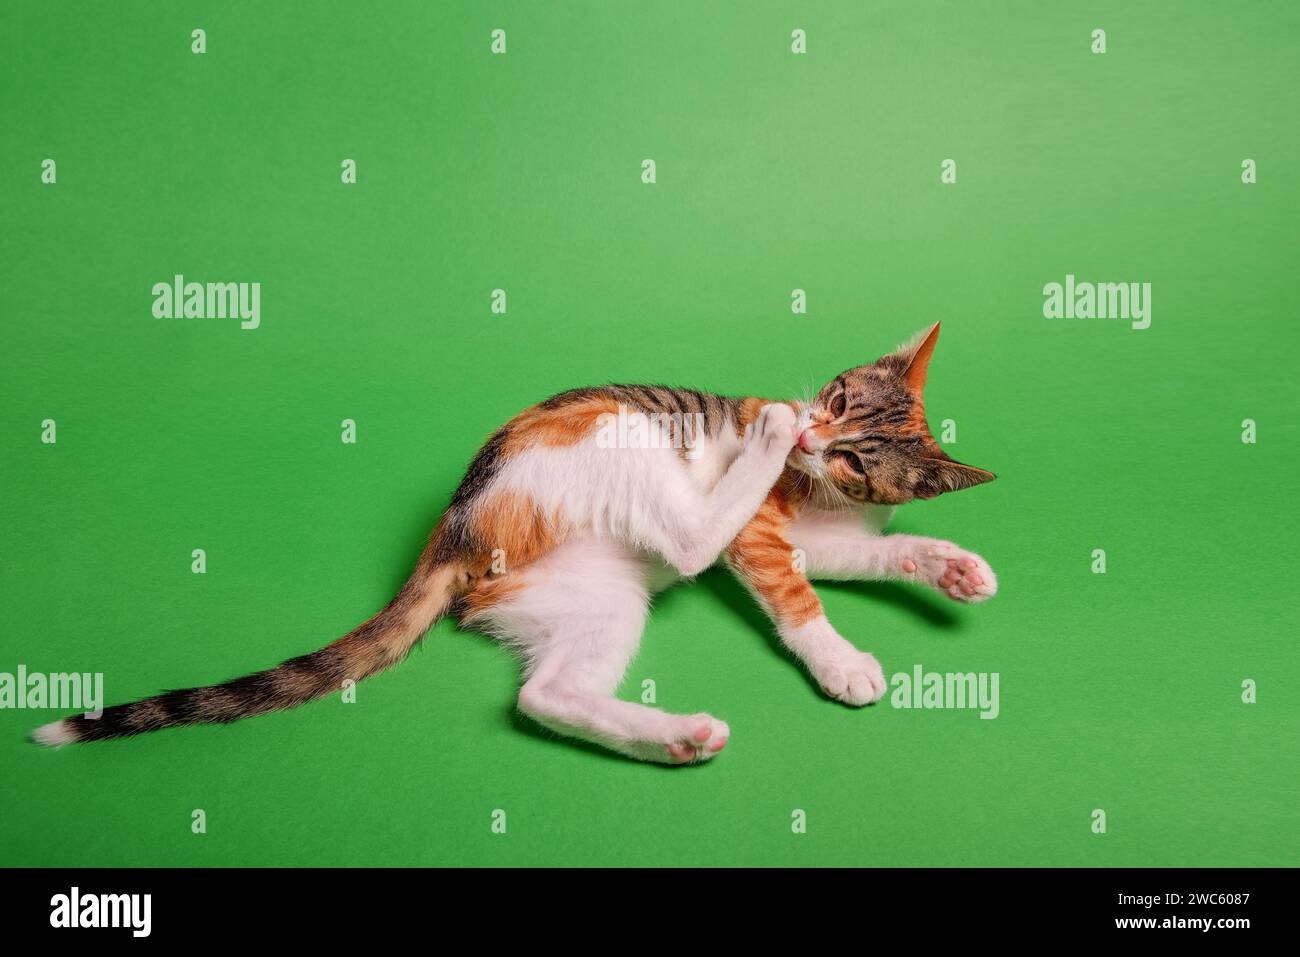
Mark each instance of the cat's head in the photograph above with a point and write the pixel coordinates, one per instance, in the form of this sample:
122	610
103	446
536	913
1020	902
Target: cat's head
865	434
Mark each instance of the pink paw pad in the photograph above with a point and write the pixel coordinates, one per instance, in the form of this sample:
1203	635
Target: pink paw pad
909	566
681	753
718	745
702	733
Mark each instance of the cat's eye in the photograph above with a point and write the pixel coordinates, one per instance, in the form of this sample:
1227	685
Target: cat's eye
837	405
848	458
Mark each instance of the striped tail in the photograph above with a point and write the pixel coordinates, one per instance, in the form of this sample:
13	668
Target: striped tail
382	641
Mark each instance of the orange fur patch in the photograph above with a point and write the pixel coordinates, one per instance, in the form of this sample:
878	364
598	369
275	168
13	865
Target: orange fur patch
523	532
748	412
765	559
487	593
560	425
515	524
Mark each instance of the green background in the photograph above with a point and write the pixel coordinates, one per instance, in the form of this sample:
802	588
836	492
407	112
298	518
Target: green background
776	171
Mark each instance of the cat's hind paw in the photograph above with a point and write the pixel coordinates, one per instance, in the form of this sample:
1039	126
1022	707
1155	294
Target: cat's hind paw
961	575
703	736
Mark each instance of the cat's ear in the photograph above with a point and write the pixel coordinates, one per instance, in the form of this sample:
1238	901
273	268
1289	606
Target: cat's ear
942	474
917	355
909	363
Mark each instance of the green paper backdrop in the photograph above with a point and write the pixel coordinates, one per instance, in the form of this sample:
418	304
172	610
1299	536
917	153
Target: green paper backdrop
776	171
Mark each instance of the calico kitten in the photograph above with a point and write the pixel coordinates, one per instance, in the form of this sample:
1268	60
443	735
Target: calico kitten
566	524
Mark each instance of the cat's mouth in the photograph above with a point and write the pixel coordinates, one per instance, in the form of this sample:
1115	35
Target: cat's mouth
805	462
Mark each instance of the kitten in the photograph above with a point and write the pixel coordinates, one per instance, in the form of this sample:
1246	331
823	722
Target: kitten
558	536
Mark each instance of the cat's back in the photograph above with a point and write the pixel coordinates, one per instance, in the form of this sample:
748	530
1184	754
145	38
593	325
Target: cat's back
615	417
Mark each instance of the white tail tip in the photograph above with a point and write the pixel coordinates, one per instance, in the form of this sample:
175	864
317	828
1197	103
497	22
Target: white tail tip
54	734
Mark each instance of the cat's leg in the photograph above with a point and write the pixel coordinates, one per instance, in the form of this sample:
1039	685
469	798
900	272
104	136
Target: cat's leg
576	617
565	696
838	546
765	561
691	528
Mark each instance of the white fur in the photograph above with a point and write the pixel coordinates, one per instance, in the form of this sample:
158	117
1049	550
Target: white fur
635	520
53	735
577	623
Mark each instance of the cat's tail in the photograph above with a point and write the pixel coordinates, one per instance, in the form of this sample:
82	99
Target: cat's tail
382	641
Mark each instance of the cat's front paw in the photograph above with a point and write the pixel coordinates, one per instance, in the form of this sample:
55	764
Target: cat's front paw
772	432
851	676
961	575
